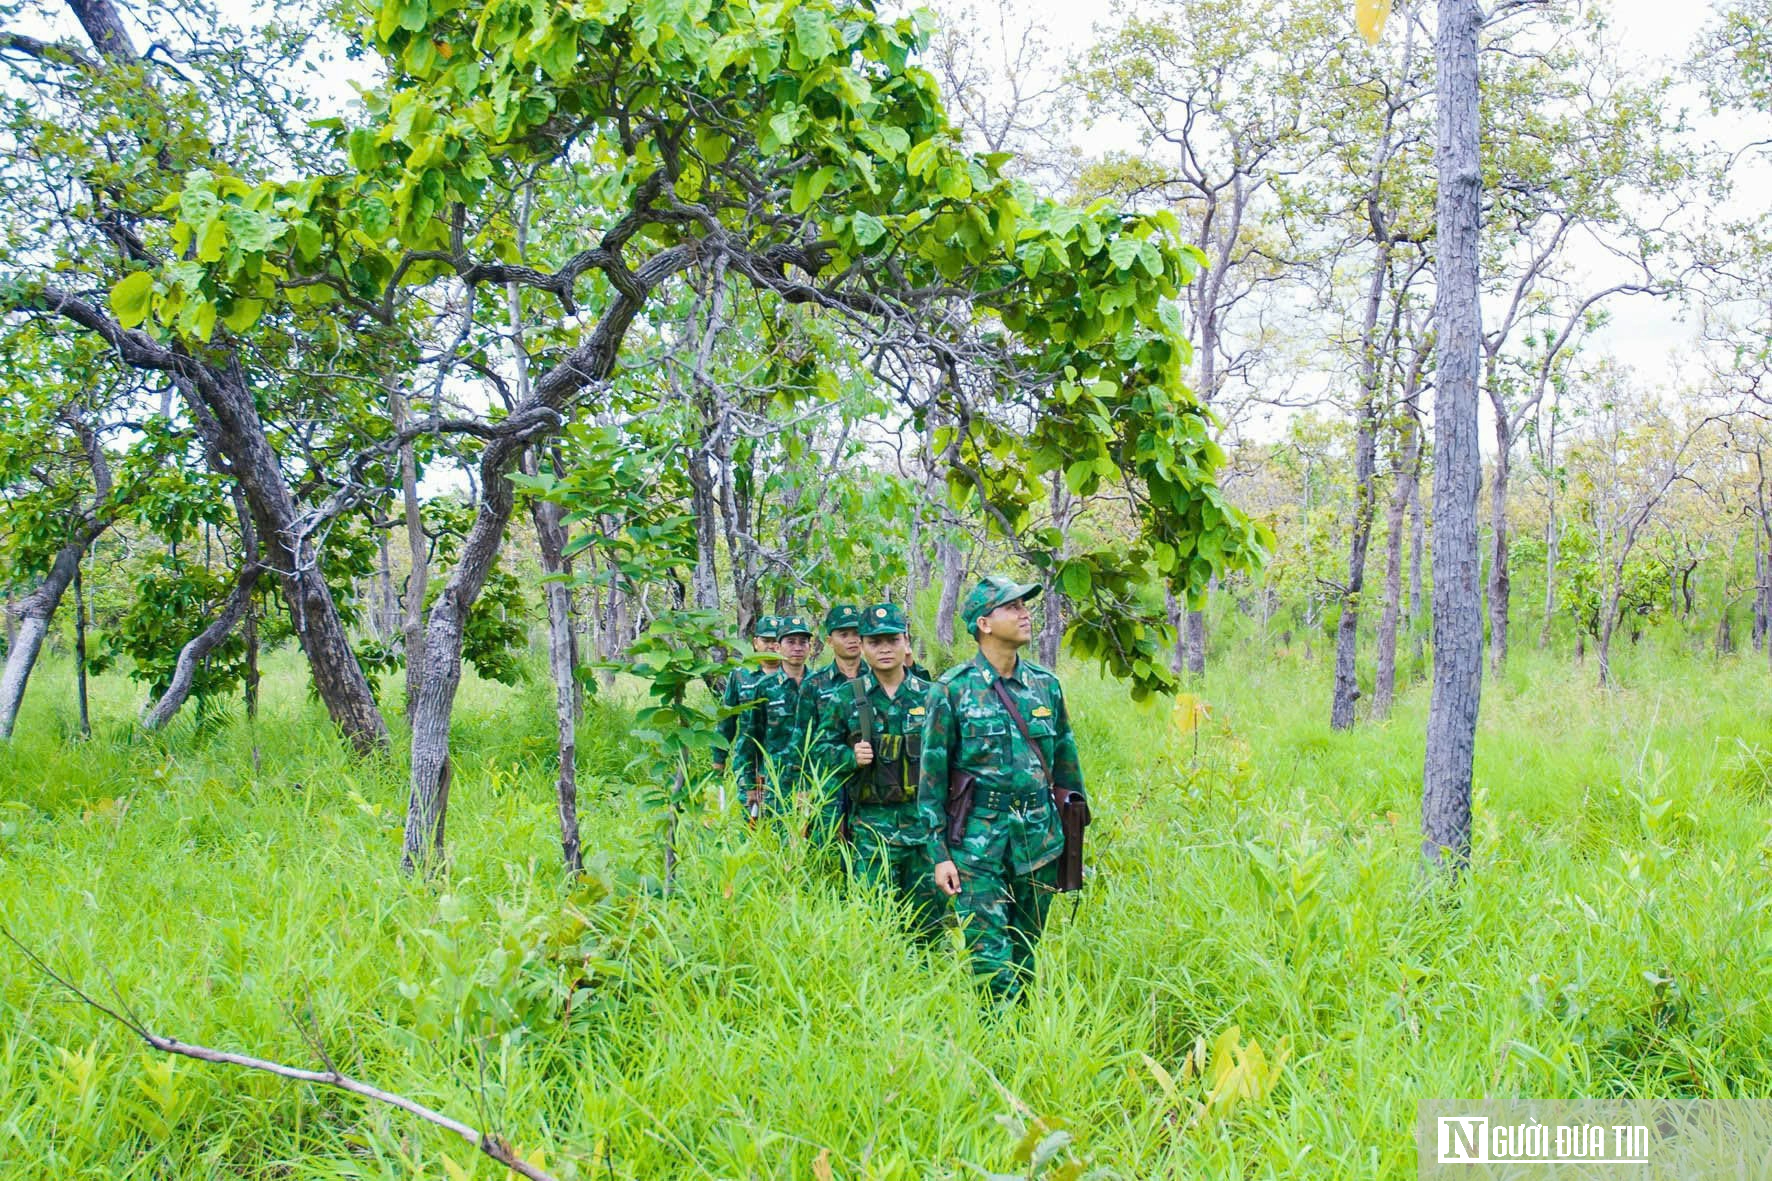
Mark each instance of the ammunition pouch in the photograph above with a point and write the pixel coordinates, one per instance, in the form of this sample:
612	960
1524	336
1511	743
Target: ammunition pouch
893	775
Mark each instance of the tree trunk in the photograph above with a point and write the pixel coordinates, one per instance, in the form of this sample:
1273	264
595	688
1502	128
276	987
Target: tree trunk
34	612
1193	643
1347	628
1608	625
1500	586
387	617
1408	472
251	689
953	573
1417	547
591	362
551	535
418	580
1457	601
80	653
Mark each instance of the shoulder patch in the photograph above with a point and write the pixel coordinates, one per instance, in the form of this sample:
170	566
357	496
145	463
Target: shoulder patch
915	711
1042	712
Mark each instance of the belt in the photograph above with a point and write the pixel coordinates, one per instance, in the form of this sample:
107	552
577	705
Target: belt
1020	801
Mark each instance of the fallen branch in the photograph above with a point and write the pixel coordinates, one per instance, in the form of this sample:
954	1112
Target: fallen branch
487	1143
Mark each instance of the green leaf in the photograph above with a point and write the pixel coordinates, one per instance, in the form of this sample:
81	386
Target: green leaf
1076	579
1123	252
130	298
921	158
1150	258
809	187
867	229
813	32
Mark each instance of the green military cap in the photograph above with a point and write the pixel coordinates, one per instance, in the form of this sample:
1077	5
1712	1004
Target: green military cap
992	591
842	615
884	619
768	627
793	625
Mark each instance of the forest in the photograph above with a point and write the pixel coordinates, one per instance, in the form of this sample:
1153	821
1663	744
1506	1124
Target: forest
410	408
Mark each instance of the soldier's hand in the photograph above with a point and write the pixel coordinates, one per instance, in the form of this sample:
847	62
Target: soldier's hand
947	877
864	753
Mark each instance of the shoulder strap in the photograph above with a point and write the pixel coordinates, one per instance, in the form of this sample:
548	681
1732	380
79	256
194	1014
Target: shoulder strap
864	708
1015	716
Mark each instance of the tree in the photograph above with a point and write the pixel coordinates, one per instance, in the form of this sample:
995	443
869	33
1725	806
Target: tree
1457	603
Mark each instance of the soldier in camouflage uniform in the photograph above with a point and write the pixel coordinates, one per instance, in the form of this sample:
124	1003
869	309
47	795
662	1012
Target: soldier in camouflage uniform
876	765
1003	871
840	625
741	684
771	744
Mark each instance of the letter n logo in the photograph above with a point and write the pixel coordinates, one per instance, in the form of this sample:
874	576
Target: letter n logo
1464	1139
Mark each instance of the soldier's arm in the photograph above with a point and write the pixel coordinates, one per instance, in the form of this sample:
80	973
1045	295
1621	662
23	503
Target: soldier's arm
830	735
1067	771
749	742
932	772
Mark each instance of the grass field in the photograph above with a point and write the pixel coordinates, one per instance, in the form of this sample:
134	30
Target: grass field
763	1022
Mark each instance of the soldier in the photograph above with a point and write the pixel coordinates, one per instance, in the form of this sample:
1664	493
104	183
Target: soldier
742	682
869	735
1002	868
841	635
770	743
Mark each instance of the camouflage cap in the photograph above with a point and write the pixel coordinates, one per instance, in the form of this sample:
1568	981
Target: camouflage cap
884	619
792	625
767	627
842	615
992	592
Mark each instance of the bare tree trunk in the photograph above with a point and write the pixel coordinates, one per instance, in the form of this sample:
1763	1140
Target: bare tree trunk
953	572
551	534
1417	548
1608	624
34	612
1193	640
1408	472
1347	627
1500	585
80	653
1457	601
387	619
251	634
418	546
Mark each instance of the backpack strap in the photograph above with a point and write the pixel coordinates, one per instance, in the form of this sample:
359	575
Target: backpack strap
864	709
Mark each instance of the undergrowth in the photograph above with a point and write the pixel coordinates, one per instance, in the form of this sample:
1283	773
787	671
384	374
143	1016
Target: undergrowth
1257	982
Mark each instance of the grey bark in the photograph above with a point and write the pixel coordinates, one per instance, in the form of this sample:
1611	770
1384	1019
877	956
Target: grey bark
953	572
80	654
418	578
1408	475
1457	602
1417	547
35	610
1347	628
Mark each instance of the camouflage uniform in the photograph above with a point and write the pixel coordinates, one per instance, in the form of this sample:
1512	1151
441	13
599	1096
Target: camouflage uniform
891	839
740	689
1007	859
771	743
818	684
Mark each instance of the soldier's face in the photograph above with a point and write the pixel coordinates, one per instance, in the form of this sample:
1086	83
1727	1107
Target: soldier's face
1012	622
794	650
846	643
885	653
762	644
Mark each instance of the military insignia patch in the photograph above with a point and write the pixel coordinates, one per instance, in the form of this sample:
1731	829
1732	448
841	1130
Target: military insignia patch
1042	712
915	710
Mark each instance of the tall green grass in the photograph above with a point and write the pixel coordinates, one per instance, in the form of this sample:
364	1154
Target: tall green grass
241	889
